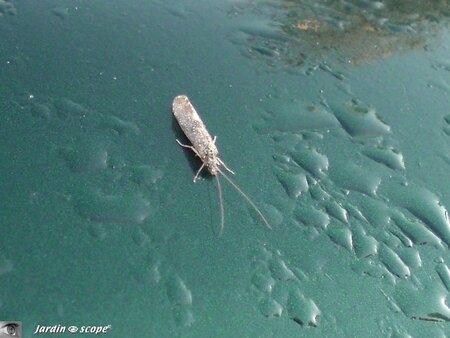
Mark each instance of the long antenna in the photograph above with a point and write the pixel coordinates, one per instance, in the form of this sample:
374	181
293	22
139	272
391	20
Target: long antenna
246	197
222	214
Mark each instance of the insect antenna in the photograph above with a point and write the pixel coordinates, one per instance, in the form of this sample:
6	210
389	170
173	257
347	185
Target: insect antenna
246	198
222	214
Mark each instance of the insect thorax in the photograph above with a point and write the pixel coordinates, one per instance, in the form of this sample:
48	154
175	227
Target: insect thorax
211	160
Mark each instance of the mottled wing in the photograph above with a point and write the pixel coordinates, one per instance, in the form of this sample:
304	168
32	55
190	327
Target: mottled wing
192	126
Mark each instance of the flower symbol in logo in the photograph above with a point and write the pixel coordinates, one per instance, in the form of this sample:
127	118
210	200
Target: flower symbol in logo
72	329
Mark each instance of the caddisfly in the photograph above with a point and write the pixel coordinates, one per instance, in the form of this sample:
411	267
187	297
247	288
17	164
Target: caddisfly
204	146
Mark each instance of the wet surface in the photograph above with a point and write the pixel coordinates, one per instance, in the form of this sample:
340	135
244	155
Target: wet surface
334	115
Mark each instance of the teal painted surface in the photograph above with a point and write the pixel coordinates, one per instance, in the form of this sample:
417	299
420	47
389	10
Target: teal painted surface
334	116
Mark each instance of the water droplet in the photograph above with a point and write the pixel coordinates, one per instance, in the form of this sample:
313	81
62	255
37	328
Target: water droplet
444	273
360	121
293	184
302	310
311	160
310	216
340	235
393	262
386	156
263	282
337	211
177	291
279	269
269	307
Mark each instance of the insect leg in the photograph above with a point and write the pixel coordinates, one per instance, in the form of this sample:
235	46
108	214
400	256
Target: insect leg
188	146
196	153
198	172
225	166
221	162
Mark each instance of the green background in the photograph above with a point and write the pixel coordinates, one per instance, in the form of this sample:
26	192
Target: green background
335	116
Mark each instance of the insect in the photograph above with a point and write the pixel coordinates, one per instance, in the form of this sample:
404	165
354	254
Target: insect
204	146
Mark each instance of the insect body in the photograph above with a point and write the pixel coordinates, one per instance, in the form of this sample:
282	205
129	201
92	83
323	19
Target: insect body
204	146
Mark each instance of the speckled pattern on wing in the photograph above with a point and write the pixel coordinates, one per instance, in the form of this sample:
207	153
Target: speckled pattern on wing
196	132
